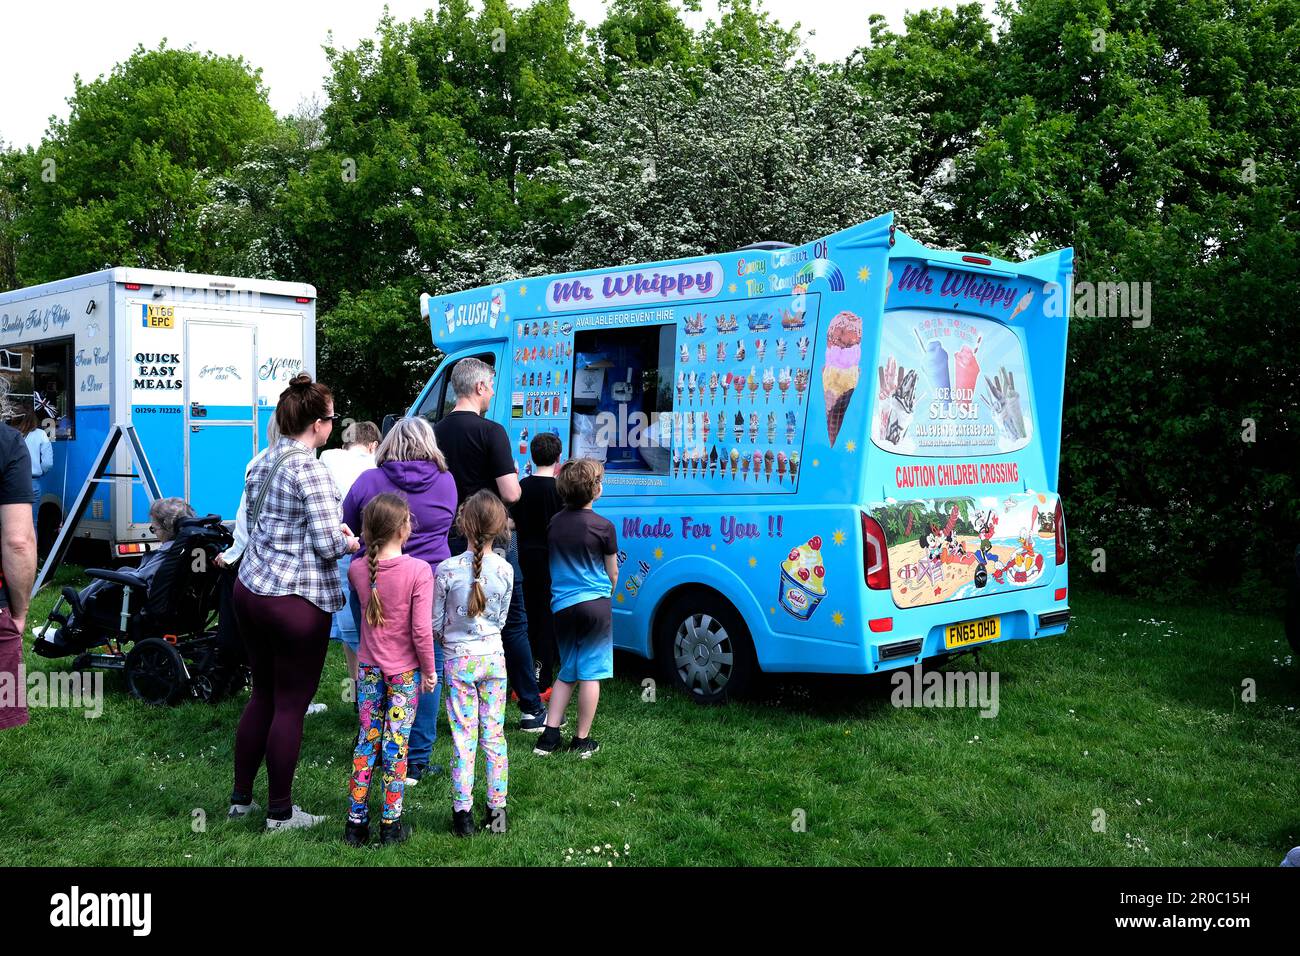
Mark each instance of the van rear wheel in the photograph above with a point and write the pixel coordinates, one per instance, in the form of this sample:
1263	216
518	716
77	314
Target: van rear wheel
705	648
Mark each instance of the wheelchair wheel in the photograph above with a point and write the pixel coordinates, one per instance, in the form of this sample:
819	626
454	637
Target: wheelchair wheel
155	672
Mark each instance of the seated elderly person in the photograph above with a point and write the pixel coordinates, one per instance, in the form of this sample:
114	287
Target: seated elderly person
165	515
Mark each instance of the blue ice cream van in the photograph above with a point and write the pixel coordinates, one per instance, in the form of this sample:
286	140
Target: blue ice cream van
838	458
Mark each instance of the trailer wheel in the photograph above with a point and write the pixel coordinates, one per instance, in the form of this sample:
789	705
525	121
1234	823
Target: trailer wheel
705	648
155	672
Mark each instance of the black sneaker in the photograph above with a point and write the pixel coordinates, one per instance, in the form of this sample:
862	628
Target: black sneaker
356	834
533	723
584	747
495	820
548	742
462	823
399	831
414	771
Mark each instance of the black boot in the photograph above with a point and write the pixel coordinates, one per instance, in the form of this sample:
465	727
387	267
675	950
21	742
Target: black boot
462	823
356	834
495	820
399	831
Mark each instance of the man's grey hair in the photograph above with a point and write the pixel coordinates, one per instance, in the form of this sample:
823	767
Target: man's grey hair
410	439
166	513
467	374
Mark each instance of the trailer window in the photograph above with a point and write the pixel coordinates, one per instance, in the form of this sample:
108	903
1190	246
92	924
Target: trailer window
442	397
40	376
622	397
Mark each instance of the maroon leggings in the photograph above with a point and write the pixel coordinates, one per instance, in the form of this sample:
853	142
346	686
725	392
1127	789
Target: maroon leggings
286	639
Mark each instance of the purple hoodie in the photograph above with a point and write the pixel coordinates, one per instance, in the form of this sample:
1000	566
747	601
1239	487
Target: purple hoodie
430	493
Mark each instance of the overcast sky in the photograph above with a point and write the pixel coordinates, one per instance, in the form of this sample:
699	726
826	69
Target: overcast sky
47	42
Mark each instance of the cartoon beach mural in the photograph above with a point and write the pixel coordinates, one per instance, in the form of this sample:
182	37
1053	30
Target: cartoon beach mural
953	548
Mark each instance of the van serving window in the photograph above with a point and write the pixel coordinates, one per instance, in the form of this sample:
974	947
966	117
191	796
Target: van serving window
622	397
40	376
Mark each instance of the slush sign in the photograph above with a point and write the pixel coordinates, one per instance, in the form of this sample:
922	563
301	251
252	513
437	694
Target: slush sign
635	287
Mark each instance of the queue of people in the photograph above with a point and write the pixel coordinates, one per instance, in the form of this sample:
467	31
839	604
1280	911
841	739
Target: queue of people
441	584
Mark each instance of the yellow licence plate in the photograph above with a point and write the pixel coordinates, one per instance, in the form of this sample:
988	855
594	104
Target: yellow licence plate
973	632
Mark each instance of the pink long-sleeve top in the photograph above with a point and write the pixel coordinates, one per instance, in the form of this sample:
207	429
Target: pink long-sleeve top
405	640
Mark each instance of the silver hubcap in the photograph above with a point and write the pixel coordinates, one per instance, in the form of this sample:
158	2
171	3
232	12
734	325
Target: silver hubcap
702	654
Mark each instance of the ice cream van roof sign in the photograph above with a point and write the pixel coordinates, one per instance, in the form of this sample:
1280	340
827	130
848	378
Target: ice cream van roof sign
957	284
635	287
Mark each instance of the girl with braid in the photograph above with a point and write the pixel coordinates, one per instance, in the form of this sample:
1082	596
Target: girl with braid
471	602
395	662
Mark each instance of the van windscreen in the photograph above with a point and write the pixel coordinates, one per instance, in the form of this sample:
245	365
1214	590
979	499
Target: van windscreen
949	385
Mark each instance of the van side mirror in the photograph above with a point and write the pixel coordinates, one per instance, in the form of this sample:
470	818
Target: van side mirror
389	421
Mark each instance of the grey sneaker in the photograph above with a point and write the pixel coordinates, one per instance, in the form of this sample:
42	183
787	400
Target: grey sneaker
238	811
299	820
314	709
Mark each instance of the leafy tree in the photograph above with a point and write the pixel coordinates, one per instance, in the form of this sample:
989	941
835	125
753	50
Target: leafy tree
125	179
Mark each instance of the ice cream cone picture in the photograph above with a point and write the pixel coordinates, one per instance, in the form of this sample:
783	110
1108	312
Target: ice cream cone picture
702	353
769	380
722	461
721	426
738	383
681	386
752	382
735	462
692	385
780	350
771	427
705	426
760	346
753	426
800	383
690	427
713	385
803	344
794	464
1023	304
684	354
713	460
780	467
677	462
758	464
722	352
497	303
744	467
843	367
740	351
790	423
783	382
739	428
769	459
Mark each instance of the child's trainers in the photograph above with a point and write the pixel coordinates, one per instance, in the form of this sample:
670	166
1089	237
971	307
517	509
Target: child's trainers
584	747
399	831
462	823
548	742
356	834
239	811
494	821
299	819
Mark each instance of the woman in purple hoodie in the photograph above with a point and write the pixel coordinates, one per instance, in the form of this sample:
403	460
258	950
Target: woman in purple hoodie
409	463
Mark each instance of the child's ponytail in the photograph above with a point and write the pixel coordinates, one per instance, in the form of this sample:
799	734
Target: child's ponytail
482	517
381	522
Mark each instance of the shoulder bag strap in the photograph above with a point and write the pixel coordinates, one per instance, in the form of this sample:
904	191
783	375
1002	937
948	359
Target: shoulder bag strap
255	512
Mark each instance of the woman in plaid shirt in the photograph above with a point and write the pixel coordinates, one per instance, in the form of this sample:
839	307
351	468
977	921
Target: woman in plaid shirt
287	590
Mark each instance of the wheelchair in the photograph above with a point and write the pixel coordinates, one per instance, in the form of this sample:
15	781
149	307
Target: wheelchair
159	629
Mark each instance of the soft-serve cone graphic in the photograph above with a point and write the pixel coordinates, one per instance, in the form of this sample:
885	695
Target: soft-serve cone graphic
843	368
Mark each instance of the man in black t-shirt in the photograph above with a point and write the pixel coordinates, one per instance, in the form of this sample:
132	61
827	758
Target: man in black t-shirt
17	564
478	456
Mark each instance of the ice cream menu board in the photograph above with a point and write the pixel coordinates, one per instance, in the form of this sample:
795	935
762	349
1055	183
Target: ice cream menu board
949	385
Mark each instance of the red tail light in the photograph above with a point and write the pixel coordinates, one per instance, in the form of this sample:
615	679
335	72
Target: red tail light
133	286
875	557
977	260
1060	533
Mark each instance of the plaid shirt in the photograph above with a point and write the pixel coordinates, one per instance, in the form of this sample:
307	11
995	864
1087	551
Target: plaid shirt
295	546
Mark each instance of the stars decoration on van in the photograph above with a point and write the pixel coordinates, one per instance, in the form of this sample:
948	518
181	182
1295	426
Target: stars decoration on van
851	447
864	274
753	561
837	619
659	554
839	536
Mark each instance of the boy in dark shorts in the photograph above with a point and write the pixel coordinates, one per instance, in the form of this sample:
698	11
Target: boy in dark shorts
584	572
538	503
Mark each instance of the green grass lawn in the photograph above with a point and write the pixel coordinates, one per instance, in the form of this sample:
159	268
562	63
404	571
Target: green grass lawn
1137	712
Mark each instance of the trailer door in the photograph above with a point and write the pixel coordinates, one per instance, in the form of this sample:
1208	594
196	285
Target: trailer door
220	407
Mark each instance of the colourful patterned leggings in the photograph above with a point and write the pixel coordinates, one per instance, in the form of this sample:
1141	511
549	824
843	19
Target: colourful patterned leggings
476	710
387	707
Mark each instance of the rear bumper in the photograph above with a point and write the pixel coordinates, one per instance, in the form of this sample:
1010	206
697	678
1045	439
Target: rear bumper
899	650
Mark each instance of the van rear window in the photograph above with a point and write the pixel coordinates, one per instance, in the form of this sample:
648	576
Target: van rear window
949	385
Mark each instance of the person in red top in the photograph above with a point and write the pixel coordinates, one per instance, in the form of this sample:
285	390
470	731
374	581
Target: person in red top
394	662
